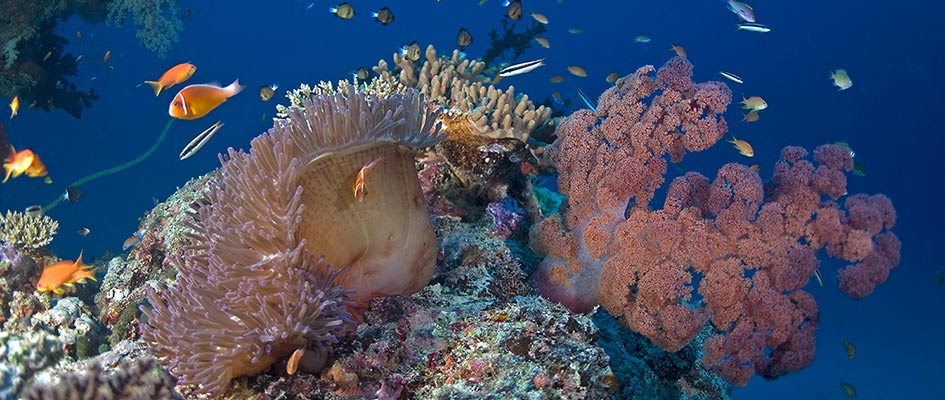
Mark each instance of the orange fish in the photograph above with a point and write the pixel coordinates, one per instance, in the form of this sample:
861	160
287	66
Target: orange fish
293	364
195	101
14	106
556	79
108	54
743	147
543	42
360	190
177	74
24	161
63	273
680	51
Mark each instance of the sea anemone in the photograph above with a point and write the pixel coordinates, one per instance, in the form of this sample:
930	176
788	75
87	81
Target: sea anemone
250	289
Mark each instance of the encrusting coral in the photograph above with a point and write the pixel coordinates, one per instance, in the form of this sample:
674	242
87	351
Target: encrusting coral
250	290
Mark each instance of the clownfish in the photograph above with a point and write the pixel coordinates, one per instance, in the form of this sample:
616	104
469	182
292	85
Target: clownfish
177	74
195	101
360	188
63	273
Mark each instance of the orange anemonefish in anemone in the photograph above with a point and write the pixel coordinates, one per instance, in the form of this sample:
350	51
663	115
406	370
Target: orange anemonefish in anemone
63	273
177	74
195	101
23	161
360	187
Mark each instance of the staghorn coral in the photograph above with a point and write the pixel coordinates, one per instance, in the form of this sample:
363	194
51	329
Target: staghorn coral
457	84
28	233
131	379
250	291
159	25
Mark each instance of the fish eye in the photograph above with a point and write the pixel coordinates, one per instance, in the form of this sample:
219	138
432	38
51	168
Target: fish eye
176	104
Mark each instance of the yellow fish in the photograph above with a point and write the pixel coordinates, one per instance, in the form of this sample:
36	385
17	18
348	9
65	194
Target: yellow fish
848	390
540	18
577	71
841	79
851	350
752	116
754	103
14	106
743	147
543	42
680	51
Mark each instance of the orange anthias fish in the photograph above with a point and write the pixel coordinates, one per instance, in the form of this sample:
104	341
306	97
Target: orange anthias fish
680	51
24	161
195	101
14	106
63	273
743	147
177	74
360	189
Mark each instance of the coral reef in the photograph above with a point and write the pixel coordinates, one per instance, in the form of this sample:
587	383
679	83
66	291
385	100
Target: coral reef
28	233
746	248
648	372
128	380
251	274
158	22
457	85
165	230
17	272
22	356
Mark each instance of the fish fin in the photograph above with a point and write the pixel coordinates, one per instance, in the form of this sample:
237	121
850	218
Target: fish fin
59	291
234	88
156	86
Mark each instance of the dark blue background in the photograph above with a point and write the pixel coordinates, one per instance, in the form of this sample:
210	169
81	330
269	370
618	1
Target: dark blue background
892	50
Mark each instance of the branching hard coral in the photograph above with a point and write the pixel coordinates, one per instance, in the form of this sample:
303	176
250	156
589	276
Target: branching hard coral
159	25
137	379
377	88
29	233
250	291
457	84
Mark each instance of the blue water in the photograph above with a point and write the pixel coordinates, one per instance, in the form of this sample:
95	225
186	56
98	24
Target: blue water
892	50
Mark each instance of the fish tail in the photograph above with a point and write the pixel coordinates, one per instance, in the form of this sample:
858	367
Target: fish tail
156	86
234	88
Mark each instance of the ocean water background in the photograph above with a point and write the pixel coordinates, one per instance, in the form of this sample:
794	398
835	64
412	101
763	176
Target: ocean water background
892	51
